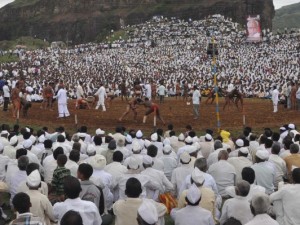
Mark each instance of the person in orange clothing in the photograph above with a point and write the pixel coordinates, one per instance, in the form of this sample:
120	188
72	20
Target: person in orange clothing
292	160
152	107
16	100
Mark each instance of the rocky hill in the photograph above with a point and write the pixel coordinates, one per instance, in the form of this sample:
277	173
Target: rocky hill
83	20
287	17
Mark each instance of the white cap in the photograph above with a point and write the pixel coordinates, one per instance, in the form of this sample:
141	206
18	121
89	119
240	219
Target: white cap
139	134
34	179
27	129
282	128
167	141
148	212
133	163
29	89
147	143
239	143
185	157
262	154
188	140
191	149
98	162
230	190
244	150
4	132
41	138
148	160
154	137
13	140
197	176
167	149
193	194
197	145
181	137
32	138
91	149
136	146
128	138
27	143
292	126
208	137
100	132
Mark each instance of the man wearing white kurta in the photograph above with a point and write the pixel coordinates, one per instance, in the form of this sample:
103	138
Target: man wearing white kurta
62	102
101	97
288	199
196	102
79	93
275	99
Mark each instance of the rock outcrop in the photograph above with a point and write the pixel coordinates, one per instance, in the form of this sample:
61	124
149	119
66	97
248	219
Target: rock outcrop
82	20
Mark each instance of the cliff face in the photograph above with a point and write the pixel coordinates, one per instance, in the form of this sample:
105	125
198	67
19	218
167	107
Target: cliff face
82	20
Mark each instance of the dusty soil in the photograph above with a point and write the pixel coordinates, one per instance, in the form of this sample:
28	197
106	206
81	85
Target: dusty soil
258	114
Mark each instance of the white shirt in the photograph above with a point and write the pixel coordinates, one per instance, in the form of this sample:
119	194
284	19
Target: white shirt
255	189
4	160
196	97
161	90
170	163
50	165
289	199
280	167
178	176
265	175
224	174
262	219
101	93
275	96
73	167
61	96
15	182
6	92
79	92
88	210
191	215
115	169
238	208
213	157
239	163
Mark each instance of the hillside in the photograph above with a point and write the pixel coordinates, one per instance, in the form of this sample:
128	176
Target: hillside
83	20
287	16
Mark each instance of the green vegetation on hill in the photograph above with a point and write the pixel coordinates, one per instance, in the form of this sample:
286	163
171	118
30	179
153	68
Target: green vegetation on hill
287	16
29	42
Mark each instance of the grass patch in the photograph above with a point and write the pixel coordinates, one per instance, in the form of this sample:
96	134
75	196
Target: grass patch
9	58
29	42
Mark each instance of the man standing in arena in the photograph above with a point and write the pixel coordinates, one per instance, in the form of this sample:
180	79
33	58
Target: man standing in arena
275	99
101	93
196	102
48	93
62	102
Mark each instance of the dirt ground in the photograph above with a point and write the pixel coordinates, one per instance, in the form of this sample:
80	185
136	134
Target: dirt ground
258	114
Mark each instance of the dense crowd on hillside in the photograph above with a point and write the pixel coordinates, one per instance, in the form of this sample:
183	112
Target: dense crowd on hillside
172	50
250	179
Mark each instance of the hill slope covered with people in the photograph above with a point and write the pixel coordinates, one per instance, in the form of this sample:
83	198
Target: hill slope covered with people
83	20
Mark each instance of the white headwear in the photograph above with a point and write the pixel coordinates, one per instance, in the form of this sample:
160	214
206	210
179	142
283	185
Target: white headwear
148	160
148	212
139	134
13	140
167	141
208	137
128	138
4	132
185	157
195	139
90	150
98	162
188	140
34	179
100	132
154	137
27	143
181	137
147	143
239	143
167	149
262	154
41	138
193	194
133	163
244	150
292	126
191	149
198	176
136	146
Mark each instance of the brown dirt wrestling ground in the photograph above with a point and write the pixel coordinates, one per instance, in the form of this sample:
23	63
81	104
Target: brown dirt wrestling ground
258	114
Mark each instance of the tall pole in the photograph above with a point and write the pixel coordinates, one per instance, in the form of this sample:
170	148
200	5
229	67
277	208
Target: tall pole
216	89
